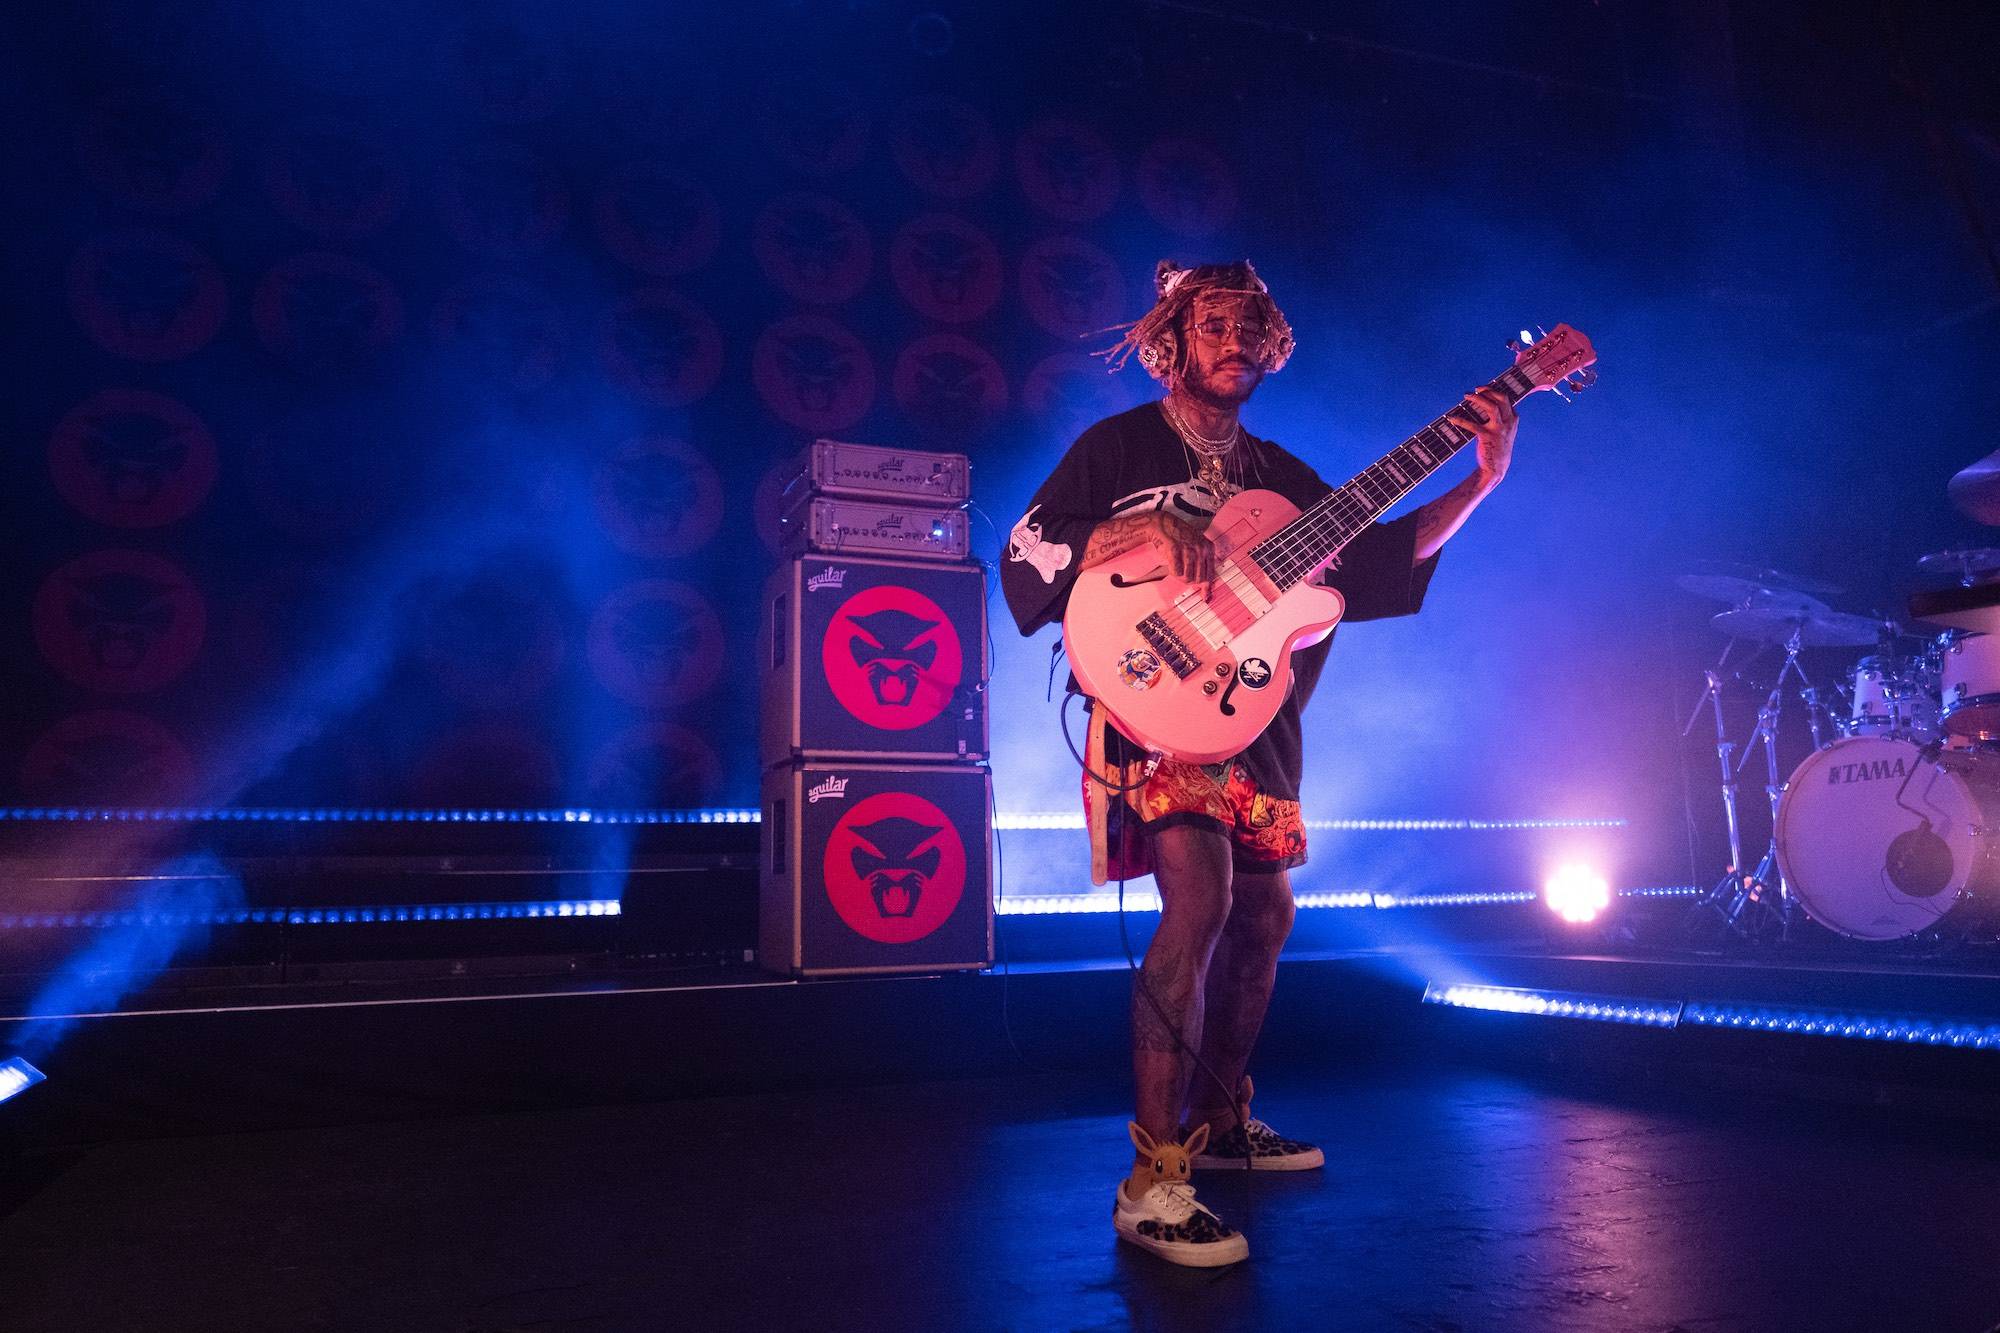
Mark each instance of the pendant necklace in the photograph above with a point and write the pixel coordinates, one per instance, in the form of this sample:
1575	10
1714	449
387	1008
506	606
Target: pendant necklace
1213	453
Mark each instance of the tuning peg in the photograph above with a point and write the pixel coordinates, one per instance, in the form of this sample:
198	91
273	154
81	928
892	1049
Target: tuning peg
1557	390
1582	378
1541	332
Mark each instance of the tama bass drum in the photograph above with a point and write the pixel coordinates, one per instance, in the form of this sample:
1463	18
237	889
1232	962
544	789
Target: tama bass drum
1880	838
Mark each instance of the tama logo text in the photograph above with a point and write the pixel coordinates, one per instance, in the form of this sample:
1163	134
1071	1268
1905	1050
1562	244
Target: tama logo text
827	578
1868	770
832	789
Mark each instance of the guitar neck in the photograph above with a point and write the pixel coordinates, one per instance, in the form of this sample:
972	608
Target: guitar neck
1298	550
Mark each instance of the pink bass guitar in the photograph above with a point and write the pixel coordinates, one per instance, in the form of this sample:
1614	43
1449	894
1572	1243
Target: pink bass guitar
1198	678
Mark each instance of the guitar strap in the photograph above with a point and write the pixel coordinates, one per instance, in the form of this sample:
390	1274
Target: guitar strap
1097	797
1118	847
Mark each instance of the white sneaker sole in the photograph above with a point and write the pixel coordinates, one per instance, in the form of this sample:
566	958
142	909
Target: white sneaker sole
1188	1254
1298	1161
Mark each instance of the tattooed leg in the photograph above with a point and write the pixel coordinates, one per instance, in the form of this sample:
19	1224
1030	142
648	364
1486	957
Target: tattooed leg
1240	979
1192	869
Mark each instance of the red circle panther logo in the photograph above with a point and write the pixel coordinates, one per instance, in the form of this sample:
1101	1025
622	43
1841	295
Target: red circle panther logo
894	867
892	657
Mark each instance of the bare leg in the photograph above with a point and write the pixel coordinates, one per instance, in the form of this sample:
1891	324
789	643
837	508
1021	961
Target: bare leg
1240	978
1192	869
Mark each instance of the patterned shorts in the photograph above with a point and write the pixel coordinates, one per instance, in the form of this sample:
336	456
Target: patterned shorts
1266	833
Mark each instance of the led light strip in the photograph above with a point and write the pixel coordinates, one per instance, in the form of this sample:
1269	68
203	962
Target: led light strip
17	1076
1556	1004
1832	1023
1010	821
1007	822
1910	1029
1148	900
315	916
344	815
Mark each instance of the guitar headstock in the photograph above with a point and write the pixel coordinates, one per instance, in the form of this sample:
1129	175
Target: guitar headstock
1560	359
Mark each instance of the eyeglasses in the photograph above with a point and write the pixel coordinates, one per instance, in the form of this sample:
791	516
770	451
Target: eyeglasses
1215	329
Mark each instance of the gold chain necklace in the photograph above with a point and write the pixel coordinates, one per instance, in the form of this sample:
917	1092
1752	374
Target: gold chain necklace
1212	452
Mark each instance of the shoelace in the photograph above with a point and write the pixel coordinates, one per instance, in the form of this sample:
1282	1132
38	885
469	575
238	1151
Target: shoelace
1180	1200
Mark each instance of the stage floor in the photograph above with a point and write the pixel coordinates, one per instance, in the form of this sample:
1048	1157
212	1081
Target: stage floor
1454	1199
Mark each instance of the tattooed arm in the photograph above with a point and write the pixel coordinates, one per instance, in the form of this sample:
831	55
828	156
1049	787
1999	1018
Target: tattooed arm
1492	420
1438	520
1191	555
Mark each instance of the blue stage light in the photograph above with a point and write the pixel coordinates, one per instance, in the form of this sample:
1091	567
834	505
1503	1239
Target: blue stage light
1938	1031
17	1076
1556	1004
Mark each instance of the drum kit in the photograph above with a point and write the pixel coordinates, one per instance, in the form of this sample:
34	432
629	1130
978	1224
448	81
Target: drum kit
1892	824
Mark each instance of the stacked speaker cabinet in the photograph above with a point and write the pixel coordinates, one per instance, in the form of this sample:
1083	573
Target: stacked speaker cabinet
876	799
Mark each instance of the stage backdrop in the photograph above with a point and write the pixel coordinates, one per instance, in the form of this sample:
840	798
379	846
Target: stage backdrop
402	402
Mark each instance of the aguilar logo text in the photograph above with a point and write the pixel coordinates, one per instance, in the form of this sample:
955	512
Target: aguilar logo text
832	789
827	578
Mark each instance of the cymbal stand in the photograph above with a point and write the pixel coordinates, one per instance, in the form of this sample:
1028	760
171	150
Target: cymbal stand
1768	878
1730	895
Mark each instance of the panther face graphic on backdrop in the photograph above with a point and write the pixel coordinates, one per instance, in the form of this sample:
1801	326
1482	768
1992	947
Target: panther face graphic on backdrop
153	152
502	199
1070	390
812	248
122	622
892	657
813	373
657	497
655	643
326	312
1187	186
894	867
657	220
950	386
946	268
505	327
814	126
655	764
945	147
108	758
146	296
1067	170
337	180
663	347
132	459
1072	288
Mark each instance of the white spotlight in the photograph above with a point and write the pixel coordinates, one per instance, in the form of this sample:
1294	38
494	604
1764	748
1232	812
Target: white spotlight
1576	893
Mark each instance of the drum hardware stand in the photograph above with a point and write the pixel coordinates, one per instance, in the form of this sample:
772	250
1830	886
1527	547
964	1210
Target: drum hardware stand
1733	895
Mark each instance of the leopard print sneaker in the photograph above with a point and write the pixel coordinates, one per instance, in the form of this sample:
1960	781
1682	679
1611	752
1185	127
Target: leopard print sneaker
1264	1147
1167	1221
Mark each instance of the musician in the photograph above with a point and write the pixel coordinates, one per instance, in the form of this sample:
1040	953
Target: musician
1220	839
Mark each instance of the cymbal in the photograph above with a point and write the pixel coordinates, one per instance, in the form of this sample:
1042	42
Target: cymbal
1975	489
1816	629
1706	575
1961	564
1742	592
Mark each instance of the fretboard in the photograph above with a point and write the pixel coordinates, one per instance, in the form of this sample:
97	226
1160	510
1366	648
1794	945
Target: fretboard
1303	546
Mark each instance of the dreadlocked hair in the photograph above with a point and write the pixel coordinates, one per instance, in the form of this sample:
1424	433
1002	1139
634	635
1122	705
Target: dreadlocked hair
1158	339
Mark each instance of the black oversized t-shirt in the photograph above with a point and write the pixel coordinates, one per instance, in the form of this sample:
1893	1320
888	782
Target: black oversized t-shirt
1133	463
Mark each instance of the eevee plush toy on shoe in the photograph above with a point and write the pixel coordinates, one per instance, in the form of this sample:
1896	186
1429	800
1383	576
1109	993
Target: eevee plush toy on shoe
1165	1162
1156	1208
